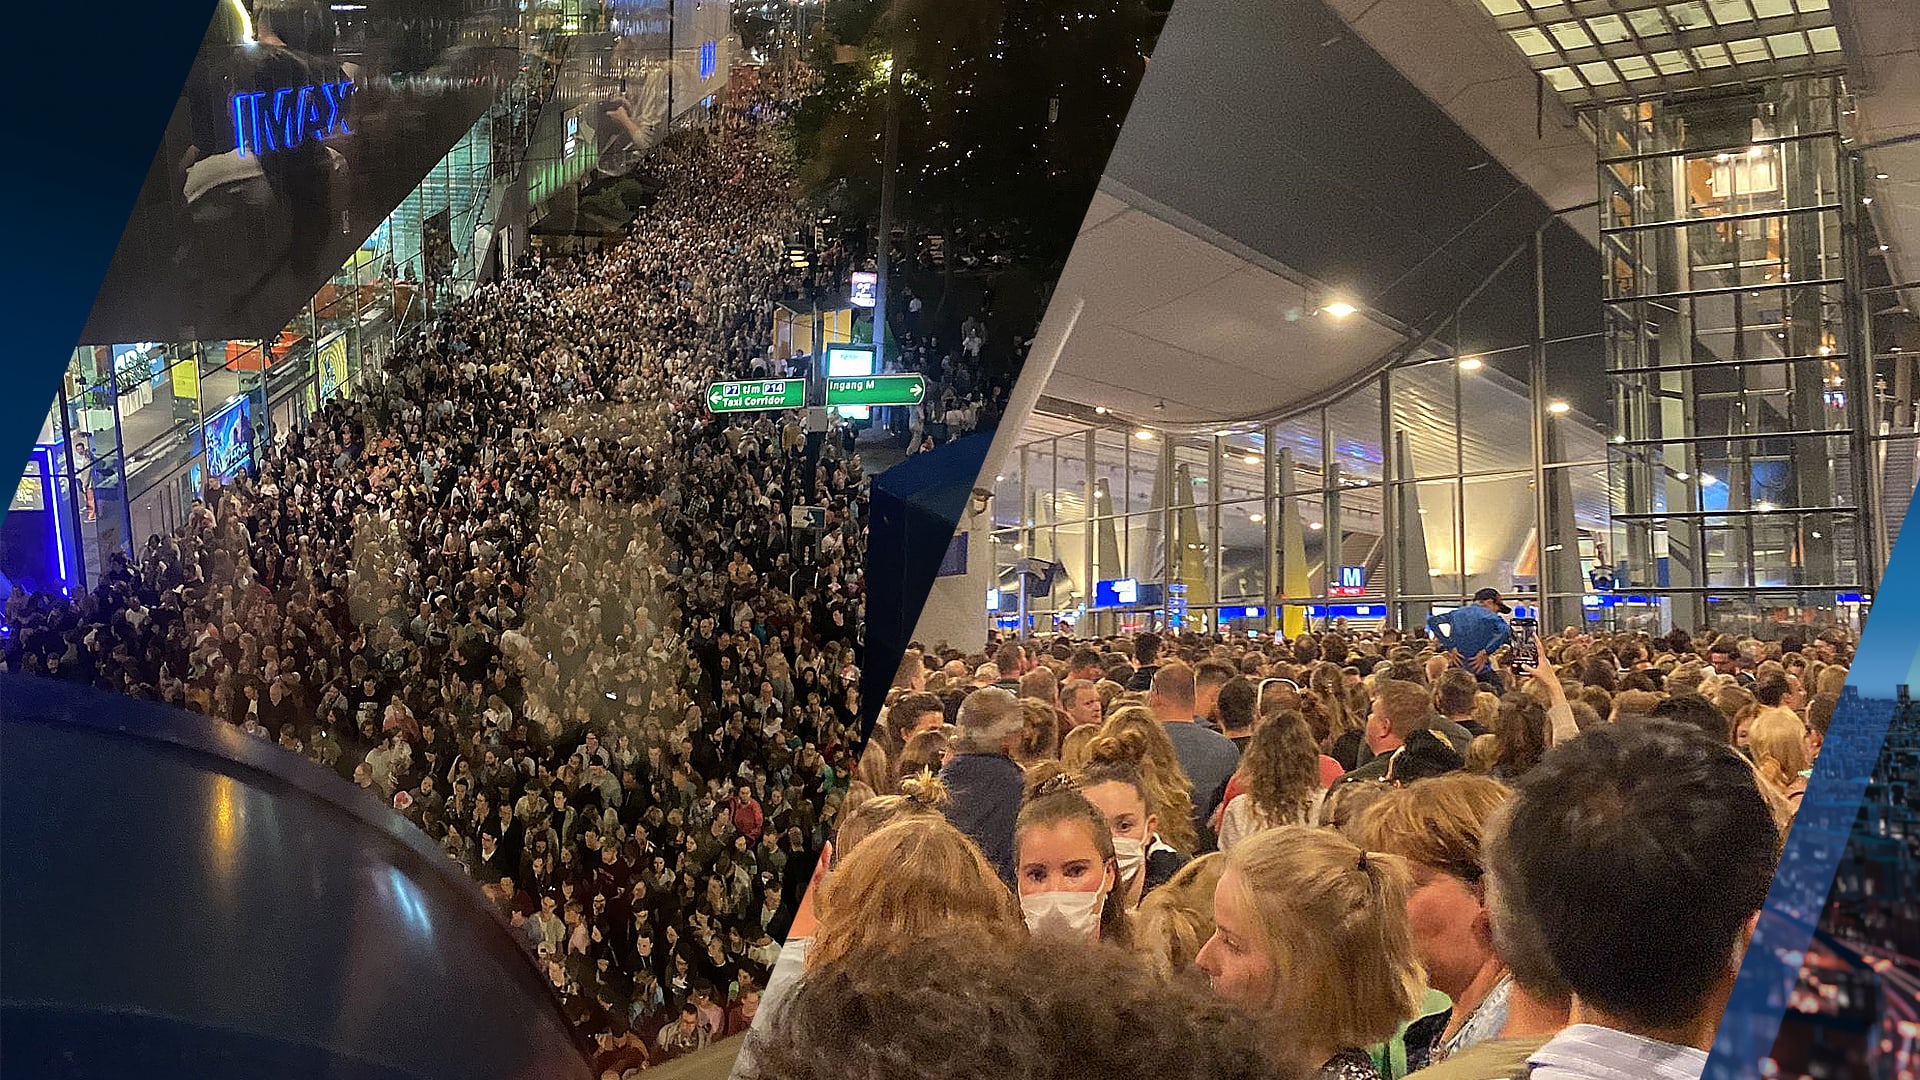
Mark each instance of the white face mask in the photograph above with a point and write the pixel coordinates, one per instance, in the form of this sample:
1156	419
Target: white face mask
1132	856
1076	914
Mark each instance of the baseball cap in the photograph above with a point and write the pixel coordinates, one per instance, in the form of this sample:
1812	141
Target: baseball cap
1493	595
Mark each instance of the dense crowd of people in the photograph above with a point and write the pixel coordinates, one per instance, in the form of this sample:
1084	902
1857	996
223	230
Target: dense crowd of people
527	591
1357	856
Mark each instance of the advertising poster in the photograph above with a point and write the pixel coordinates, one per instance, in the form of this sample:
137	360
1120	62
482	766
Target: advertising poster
230	439
333	365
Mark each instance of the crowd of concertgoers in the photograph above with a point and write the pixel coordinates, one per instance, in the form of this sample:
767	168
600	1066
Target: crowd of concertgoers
1358	856
525	590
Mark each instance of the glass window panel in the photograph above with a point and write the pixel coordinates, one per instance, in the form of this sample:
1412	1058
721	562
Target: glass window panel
1570	35
1647	23
1353	424
1502	7
1825	39
1242	470
1562	78
1363	540
1730	12
1425	424
1300	546
1768	9
1434	521
1494	426
1748	50
1607	29
1598	73
1499	531
1711	56
1243	560
1531	41
1635	67
1688	16
1809	7
1788	44
1672	62
1110	471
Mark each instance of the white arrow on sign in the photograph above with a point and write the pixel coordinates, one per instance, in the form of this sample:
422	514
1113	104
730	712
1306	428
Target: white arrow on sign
713	397
916	388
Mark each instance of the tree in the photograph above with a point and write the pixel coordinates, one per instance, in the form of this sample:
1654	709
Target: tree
1008	111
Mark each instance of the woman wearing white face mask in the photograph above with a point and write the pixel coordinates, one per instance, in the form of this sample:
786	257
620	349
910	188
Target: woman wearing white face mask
1111	781
1065	867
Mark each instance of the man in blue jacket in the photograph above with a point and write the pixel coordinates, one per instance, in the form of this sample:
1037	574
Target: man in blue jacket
1472	634
984	781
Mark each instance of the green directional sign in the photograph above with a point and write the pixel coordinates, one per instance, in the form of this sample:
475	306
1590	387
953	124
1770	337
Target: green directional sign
876	390
756	395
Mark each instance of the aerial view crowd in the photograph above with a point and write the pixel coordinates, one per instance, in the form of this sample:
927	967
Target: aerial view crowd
524	589
1355	855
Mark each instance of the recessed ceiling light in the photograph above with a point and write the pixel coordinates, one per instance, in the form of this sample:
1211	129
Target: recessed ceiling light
1339	309
1681	476
1143	435
1256	518
1253	459
1100	410
1764	506
1880	176
1558	407
1315	526
1619	438
1471	363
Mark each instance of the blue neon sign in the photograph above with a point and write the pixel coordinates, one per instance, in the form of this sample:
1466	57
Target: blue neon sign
709	60
267	121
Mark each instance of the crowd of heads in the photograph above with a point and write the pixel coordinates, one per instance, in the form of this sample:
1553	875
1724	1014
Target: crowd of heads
524	589
1347	855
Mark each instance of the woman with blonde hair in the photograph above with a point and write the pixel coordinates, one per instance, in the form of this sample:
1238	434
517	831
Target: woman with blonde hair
913	879
1778	742
1311	941
1074	750
1169	791
1176	919
925	752
1039	733
1329	684
1281	771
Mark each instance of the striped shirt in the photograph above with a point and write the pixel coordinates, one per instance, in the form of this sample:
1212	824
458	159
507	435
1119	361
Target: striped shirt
1589	1052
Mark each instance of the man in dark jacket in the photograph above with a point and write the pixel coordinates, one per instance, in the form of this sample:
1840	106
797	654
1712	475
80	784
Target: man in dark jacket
985	783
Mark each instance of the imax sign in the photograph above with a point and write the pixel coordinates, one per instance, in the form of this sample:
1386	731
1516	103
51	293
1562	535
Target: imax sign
266	121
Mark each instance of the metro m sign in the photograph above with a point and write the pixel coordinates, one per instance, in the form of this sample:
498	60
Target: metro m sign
267	121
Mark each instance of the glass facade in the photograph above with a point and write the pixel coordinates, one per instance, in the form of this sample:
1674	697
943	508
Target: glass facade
1741	460
138	429
1710	425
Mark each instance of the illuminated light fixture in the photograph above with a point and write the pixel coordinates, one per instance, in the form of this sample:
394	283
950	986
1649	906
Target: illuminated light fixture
1339	309
1880	176
1256	518
1559	408
1315	526
1100	410
1825	350
1619	438
1816	536
1471	363
1764	506
1253	459
1756	151
1143	435
1680	476
1886	247
1423	509
1867	201
1708	480
1723	158
1001	479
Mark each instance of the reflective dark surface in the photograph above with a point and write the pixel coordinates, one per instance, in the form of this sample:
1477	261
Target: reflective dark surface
180	899
298	130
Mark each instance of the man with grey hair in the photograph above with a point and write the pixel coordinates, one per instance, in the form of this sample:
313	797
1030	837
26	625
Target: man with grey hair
985	783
